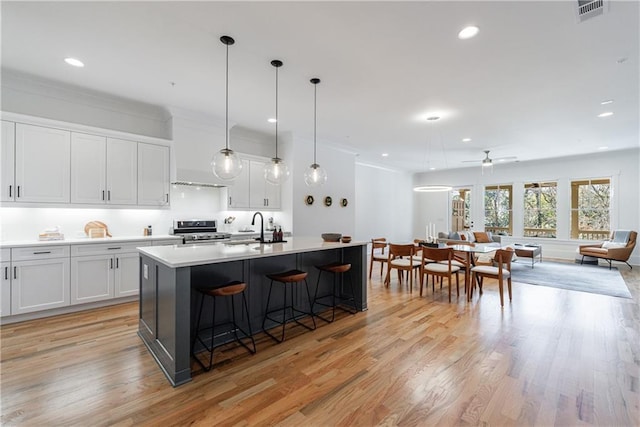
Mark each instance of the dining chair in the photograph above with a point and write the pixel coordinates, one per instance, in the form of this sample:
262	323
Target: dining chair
378	254
441	266
402	257
500	270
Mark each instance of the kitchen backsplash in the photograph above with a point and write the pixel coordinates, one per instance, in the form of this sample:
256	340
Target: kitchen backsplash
18	223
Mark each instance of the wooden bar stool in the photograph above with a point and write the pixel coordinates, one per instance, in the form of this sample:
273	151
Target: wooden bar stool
288	279
228	290
335	268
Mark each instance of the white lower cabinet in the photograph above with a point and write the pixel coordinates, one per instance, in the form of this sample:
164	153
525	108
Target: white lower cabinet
127	277
91	278
104	271
38	285
5	291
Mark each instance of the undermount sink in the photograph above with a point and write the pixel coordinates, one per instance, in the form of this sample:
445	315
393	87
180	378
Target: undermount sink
242	242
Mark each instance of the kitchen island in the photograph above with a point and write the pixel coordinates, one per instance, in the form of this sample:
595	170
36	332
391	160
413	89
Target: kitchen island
170	275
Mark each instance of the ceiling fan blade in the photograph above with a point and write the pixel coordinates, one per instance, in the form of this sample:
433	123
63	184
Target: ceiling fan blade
505	158
471	161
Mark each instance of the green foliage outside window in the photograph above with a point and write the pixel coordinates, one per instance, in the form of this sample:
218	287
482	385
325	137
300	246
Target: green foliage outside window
540	215
590	209
497	209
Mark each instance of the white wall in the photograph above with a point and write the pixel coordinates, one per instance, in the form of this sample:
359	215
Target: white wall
317	219
384	204
34	96
621	166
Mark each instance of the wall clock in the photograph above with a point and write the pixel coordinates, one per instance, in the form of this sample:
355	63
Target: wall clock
344	203
327	201
309	200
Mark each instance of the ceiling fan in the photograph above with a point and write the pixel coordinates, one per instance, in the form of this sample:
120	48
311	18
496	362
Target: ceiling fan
488	161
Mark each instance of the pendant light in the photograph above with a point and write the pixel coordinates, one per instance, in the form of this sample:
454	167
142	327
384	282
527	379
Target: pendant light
315	175
225	163
276	172
430	188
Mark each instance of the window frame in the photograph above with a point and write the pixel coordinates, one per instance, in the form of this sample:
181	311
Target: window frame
495	229
574	210
547	233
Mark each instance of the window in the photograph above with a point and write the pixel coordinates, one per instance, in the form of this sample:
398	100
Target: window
590	209
497	209
540	217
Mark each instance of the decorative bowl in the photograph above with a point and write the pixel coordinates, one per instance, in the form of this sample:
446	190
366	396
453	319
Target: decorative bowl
331	237
346	239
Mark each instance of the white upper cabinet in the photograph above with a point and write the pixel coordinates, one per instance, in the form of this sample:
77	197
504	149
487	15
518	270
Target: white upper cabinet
263	194
251	190
103	170
42	162
153	175
7	161
239	190
88	168
122	172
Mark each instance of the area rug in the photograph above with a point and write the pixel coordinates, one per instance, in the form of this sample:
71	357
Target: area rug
575	277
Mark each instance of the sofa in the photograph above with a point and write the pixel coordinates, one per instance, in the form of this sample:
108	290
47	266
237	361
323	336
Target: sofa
477	238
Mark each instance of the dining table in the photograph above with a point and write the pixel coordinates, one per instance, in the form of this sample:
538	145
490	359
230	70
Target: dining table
467	253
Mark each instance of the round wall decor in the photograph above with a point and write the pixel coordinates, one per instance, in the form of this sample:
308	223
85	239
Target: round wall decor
327	201
309	200
344	203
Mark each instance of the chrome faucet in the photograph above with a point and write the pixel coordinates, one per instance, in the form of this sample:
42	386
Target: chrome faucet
253	222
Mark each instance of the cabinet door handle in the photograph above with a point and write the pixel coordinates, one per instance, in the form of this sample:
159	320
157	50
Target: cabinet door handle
102	194
111	263
117	262
10	188
229	200
108	194
167	197
6	273
42	252
111	249
18	191
15	272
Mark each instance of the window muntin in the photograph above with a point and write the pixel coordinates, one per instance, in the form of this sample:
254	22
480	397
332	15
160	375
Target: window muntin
540	209
591	209
498	209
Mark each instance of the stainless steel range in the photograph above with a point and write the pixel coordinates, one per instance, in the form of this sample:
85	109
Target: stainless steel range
200	231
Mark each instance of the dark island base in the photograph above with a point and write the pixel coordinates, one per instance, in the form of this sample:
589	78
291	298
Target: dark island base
169	300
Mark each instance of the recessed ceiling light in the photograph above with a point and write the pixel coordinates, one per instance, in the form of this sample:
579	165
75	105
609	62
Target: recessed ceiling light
606	114
385	154
604	147
466	139
468	32
606	102
271	120
432	169
73	61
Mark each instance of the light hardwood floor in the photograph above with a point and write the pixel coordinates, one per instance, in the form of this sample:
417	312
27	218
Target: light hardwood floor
551	357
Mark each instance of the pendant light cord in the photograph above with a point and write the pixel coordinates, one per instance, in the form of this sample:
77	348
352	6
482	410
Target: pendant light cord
277	112
315	118
226	120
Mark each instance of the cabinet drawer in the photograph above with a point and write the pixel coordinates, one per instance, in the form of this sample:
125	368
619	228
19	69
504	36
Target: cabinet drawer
168	242
107	248
39	252
5	255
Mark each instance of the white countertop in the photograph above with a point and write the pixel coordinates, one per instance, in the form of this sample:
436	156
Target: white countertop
86	240
189	255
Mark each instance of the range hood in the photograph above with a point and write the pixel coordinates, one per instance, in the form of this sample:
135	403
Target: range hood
196	138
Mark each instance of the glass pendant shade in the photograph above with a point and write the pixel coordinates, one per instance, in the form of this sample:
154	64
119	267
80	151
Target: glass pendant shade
315	175
276	172
226	165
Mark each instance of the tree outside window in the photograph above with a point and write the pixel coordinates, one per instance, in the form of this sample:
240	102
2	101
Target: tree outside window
540	214
590	209
498	209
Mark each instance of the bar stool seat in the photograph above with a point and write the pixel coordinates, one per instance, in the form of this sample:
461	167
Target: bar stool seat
227	291
289	279
335	268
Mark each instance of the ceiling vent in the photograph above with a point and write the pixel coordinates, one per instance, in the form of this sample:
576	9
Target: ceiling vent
588	9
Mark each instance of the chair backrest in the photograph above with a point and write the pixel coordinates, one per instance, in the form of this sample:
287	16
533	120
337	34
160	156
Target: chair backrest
503	258
379	243
400	250
437	254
